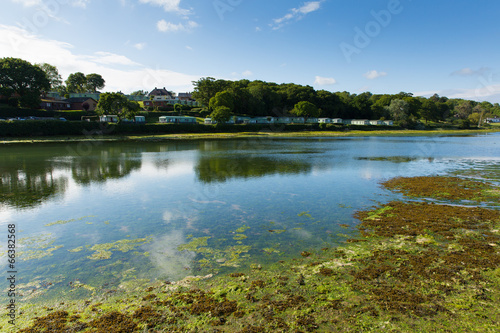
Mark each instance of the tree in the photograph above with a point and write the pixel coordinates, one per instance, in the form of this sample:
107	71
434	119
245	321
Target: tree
379	106
221	114
208	87
479	110
178	108
223	98
306	109
362	105
20	77
475	118
464	109
76	82
94	82
53	75
328	103
117	104
400	112
139	93
429	110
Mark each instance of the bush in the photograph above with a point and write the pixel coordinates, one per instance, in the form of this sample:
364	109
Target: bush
464	124
29	128
14	102
30	101
166	108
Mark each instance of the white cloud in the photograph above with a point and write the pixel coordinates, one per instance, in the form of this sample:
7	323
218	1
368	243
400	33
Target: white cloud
470	72
168	6
80	3
244	74
324	81
189	48
488	92
107	58
165	26
371	75
296	13
120	72
140	46
28	3
31	3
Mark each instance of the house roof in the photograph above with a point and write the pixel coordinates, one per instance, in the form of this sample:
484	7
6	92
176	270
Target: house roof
79	99
53	101
161	92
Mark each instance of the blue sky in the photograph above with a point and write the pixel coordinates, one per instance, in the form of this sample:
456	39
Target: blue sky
424	47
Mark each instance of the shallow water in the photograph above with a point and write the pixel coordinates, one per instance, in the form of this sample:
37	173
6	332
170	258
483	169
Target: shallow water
93	216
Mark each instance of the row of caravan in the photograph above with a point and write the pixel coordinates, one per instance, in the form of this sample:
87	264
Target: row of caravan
255	120
301	120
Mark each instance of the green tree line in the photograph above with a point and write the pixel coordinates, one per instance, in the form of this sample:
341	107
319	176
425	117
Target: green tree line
259	98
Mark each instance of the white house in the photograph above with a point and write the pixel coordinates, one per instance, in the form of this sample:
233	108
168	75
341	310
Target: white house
337	121
283	120
389	122
360	122
140	119
297	120
264	120
324	120
495	120
108	119
178	120
377	122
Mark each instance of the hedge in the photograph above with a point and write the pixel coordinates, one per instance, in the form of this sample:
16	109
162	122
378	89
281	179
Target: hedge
28	128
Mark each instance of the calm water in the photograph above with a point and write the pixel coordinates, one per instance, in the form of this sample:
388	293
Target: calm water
91	216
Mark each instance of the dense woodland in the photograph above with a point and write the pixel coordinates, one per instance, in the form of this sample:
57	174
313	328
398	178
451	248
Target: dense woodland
258	98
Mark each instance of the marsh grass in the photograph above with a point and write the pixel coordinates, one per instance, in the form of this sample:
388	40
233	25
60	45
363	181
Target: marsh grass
233	135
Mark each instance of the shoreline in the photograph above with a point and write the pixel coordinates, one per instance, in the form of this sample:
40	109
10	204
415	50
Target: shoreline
239	135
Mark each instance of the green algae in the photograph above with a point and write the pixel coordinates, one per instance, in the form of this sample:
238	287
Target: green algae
240	237
77	249
195	244
443	187
59	222
39	246
393	159
38	254
242	229
104	251
306	214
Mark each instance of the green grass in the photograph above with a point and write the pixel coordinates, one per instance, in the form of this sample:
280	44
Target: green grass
305	134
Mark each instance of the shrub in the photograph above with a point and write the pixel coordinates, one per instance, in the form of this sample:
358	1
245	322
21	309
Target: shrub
14	102
464	124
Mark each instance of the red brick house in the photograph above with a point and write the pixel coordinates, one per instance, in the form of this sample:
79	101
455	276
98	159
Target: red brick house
82	103
51	104
161	92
